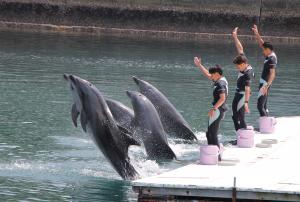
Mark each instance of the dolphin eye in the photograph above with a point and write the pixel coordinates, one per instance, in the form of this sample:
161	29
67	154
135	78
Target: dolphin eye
72	88
140	95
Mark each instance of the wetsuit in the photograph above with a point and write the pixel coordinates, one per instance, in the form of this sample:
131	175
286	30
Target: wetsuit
270	63
238	109
220	86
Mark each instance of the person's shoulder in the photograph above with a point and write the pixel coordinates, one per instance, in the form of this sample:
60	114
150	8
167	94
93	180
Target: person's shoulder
250	72
273	58
274	54
222	82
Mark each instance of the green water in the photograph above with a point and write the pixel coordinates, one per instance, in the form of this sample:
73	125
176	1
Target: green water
44	158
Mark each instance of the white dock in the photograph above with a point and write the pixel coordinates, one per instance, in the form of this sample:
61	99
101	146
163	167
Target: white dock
261	173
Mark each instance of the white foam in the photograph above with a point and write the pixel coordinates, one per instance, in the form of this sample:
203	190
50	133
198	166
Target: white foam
22	166
183	150
96	173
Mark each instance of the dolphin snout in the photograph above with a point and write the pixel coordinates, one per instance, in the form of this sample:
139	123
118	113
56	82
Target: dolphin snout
133	94
72	78
65	77
128	93
136	80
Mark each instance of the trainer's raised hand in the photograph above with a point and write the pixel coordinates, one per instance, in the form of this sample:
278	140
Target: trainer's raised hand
234	32
255	29
197	61
257	36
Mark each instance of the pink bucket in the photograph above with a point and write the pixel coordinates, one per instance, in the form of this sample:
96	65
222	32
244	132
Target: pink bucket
245	138
209	155
267	124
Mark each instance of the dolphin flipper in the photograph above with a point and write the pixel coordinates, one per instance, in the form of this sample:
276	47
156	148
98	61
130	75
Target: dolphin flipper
74	114
128	139
125	130
83	120
131	132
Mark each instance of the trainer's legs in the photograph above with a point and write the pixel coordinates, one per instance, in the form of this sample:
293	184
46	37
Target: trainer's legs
238	111
234	112
266	103
262	103
213	128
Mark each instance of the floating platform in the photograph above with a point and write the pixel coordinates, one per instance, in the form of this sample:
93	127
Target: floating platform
269	171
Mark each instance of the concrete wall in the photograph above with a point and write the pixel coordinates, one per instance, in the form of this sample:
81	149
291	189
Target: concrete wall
278	17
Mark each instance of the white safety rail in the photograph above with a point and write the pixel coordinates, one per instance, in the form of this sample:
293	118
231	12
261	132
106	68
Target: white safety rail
261	173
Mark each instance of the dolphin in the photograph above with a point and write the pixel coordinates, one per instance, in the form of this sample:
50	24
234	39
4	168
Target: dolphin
121	113
173	122
149	127
97	120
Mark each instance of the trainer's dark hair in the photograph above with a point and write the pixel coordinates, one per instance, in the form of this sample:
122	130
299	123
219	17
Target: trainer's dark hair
216	69
240	59
268	45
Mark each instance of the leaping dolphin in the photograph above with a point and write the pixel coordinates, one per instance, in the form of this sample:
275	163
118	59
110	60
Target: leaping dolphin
97	120
173	122
148	125
121	113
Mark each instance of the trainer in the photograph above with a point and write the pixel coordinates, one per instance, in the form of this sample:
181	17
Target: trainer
268	74
240	103
219	107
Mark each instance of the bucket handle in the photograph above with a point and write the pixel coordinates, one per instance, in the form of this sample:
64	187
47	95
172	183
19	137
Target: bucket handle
274	121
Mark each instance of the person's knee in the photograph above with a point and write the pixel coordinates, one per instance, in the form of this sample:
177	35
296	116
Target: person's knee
241	114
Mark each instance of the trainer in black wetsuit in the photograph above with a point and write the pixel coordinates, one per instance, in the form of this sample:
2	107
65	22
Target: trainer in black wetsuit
220	87
268	74
242	95
219	107
238	103
270	63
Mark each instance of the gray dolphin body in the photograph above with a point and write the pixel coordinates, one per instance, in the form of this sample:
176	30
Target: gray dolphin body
124	117
173	122
149	127
121	113
97	120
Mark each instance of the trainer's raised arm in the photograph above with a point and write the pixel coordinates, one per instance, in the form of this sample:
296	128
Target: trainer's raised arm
238	44
257	36
198	63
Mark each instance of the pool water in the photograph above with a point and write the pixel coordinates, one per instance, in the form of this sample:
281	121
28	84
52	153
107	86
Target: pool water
44	158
